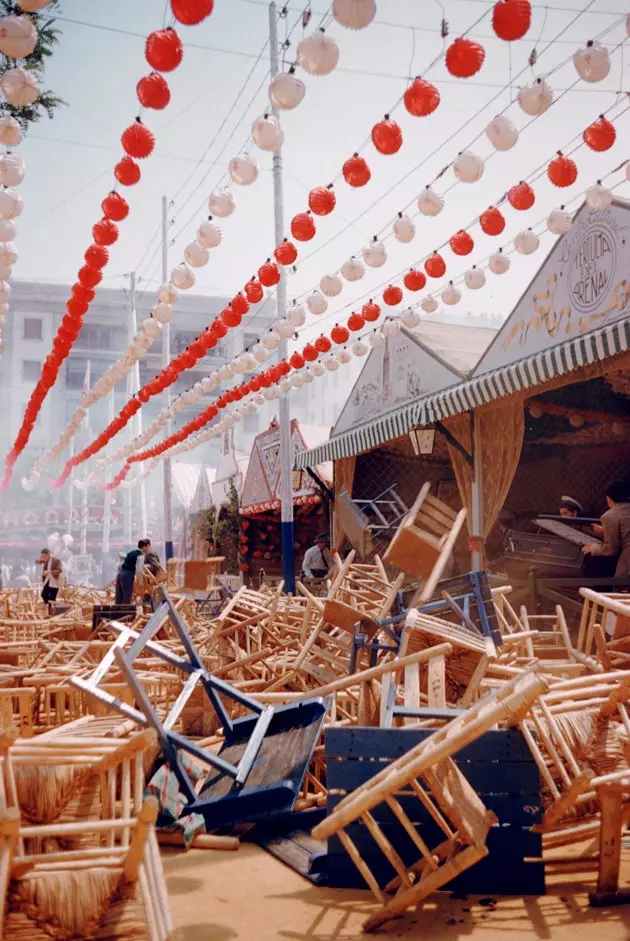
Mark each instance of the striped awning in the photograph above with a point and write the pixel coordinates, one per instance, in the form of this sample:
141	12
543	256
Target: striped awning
507	380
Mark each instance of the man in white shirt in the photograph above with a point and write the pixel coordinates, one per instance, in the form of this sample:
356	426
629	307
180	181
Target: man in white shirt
317	560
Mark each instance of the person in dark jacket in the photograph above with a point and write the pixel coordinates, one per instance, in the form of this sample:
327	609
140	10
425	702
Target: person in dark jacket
132	567
615	528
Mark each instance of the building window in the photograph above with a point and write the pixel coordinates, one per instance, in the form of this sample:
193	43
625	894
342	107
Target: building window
32	328
98	336
31	370
76	369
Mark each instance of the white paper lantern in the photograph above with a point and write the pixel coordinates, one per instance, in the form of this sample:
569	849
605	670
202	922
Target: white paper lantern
183	277
11	203
285	386
167	293
451	295
286	91
526	242
318	54
331	363
307	375
375	254
8	254
7	230
5	292
429	304
270	341
284	329
10	132
196	255
18	36
226	372
353	269
267	133
598	197
11	169
317	303
296	315
32	6
20	87
359	348
410	318
221	202
259	352
238	365
162	312
592	61
376	340
430	203
559	221
501	133
151	327
474	278
534	99
391	327
5	274
296	380
468	167
354	14
331	285
499	263
404	229
209	235
317	369
243	169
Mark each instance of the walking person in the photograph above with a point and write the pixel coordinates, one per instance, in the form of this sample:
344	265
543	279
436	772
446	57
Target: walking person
52	577
318	561
131	568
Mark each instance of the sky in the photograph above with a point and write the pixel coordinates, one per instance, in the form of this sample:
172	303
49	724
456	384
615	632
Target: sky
221	87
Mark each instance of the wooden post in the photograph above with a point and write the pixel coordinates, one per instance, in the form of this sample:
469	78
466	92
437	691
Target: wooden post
607	891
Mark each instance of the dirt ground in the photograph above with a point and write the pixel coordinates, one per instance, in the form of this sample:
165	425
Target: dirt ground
250	896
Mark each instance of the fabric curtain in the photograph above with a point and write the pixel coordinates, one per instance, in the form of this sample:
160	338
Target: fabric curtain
343	479
501	428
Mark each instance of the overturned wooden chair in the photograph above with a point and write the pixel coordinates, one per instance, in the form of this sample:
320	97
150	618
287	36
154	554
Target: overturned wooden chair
428	773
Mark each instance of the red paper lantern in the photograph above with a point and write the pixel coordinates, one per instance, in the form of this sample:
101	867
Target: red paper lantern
164	50
240	304
322	200
421	98
138	141
153	91
81	293
356	322
435	266
371	311
269	274
115	207
600	135
322	344
90	277
309	353
297	360
464	58
105	232
492	221
208	340
197	348
76	310
339	334
230	317
218	329
392	295
254	291
461	243
356	171
521	196
285	253
283	368
303	227
387	136
191	12
511	19
562	171
96	256
414	280
127	171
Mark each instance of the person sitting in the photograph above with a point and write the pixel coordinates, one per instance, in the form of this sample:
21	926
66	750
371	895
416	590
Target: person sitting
51	578
317	561
131	568
570	508
616	529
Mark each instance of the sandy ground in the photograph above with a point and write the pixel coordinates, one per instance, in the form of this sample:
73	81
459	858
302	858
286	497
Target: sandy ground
249	895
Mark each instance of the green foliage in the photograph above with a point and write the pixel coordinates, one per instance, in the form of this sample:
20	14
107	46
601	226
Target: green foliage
206	523
228	530
48	102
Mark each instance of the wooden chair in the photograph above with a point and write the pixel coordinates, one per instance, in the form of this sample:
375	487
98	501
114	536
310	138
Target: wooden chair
425	538
429	774
604	633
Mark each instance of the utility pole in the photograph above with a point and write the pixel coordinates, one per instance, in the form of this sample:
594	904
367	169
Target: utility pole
284	415
166	358
133	384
